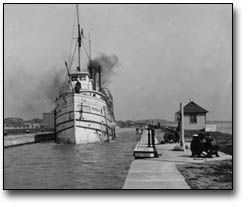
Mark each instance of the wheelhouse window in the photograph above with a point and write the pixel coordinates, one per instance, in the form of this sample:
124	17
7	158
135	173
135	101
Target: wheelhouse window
193	118
82	77
74	78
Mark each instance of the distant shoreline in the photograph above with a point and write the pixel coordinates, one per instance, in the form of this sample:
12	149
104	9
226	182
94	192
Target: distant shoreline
219	121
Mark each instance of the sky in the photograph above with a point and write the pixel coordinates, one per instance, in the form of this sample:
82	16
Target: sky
167	54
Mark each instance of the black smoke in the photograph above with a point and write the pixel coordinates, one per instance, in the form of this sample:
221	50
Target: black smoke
108	64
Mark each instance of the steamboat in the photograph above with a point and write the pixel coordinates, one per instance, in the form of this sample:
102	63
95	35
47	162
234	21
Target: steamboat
84	109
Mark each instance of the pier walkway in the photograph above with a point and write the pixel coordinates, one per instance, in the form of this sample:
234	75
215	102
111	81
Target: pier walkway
161	172
142	150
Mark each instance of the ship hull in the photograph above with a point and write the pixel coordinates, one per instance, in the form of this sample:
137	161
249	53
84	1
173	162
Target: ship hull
82	119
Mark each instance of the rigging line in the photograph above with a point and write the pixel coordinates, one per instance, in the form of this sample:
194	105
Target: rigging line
68	68
79	38
72	38
69	75
86	51
79	16
73	55
74	24
64	85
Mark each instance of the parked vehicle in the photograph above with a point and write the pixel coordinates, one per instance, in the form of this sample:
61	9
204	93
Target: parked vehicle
171	136
203	144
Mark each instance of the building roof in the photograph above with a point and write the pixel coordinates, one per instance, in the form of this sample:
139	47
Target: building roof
192	107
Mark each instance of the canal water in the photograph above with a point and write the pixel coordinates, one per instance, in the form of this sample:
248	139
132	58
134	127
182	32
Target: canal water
58	166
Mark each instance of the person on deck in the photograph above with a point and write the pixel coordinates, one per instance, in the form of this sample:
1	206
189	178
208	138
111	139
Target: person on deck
77	87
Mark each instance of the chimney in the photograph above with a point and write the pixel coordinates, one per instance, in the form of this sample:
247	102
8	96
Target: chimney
94	78
90	71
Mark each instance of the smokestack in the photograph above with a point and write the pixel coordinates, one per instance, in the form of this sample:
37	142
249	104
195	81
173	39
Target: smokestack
100	80
90	71
94	78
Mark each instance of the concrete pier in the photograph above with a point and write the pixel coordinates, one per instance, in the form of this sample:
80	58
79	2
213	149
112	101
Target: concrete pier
21	139
161	172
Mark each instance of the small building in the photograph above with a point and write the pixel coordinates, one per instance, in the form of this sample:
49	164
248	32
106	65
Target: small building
194	116
31	125
27	125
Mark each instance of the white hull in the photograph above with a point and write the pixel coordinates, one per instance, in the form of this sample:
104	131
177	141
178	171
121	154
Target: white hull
82	119
78	135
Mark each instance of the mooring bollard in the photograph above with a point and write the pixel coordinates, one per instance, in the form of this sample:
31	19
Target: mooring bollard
153	137
149	136
153	142
55	133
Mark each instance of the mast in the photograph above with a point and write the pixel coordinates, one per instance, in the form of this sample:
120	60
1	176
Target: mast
79	39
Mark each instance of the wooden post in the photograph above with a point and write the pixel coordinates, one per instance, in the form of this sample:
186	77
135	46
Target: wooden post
55	134
148	136
153	137
182	144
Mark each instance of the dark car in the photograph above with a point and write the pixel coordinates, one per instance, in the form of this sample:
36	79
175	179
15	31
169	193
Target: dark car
204	142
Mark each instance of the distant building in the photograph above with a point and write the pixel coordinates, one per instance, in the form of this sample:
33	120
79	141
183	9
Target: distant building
48	120
18	123
12	122
30	124
194	116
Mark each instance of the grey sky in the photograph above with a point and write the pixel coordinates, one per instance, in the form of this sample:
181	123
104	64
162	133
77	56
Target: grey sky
167	54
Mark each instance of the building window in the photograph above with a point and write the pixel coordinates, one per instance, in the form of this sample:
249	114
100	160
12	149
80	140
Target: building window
193	119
